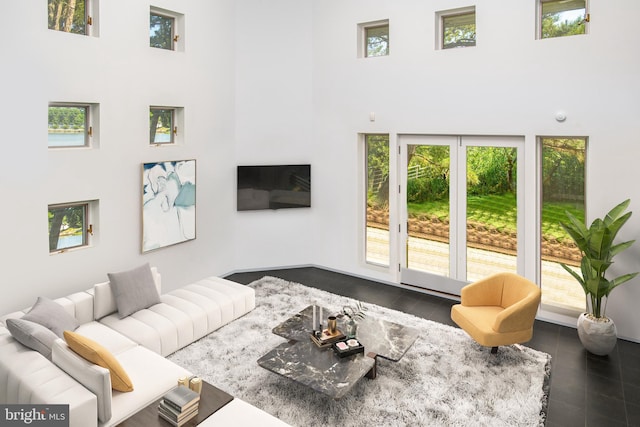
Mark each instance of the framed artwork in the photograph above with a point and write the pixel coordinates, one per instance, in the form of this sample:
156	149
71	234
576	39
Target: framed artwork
168	203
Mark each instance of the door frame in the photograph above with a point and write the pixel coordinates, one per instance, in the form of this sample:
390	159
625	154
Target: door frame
457	207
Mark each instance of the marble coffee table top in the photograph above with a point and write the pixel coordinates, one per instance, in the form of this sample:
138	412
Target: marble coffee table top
320	368
317	368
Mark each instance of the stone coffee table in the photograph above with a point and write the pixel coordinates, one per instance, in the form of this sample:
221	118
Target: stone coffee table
320	368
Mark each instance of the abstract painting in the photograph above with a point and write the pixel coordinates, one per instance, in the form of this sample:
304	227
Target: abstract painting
168	203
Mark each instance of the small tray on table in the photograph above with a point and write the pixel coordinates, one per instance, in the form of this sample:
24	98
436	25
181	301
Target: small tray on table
348	347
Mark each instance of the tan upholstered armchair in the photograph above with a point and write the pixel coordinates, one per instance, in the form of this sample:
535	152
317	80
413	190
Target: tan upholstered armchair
498	310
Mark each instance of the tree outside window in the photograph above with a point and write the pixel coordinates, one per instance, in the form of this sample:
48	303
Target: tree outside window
559	18
67	226
161	31
459	30
161	125
68	15
377	40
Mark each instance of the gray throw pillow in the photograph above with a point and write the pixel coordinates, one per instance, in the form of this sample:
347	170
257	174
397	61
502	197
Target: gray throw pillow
32	335
51	315
134	290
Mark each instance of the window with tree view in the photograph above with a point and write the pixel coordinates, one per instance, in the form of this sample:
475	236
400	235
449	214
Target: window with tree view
68	125
376	39
161	125
563	190
560	18
161	31
459	29
68	15
68	226
377	224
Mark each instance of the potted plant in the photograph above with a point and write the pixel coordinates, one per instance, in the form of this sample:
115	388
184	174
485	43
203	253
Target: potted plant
354	313
596	331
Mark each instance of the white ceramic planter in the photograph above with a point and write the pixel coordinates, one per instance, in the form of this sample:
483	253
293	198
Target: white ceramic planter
598	336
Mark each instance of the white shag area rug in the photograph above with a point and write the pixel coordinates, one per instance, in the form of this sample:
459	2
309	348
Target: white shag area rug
444	379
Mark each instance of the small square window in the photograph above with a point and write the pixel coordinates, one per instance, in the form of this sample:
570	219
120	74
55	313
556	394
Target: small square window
559	18
69	16
69	125
457	28
166	29
378	41
374	39
69	226
162	125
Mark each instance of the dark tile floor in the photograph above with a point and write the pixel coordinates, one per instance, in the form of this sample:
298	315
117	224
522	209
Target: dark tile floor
586	390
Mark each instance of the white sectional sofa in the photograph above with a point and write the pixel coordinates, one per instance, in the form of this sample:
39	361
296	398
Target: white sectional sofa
138	341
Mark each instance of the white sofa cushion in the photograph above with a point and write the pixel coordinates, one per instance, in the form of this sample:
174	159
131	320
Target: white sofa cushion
90	375
27	377
153	376
185	314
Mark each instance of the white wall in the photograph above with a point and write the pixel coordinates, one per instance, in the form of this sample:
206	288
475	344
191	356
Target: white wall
509	84
279	82
274	117
125	76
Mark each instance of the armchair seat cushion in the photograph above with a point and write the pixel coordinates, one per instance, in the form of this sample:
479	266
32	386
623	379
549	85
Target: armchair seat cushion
478	323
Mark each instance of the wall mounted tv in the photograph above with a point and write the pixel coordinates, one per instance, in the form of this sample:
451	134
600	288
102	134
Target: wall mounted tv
274	187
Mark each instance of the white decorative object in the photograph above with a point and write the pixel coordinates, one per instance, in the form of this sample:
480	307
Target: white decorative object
598	335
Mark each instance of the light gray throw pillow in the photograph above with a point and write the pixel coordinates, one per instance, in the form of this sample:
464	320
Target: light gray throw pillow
32	335
51	315
134	290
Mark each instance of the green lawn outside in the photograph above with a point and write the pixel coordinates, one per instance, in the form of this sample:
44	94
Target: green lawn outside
499	212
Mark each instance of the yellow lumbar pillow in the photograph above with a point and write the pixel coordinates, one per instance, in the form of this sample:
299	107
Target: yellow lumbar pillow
95	353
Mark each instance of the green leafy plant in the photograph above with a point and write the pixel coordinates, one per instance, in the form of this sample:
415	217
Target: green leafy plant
355	312
598	250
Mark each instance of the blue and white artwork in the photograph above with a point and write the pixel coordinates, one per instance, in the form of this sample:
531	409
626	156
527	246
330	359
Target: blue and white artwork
168	203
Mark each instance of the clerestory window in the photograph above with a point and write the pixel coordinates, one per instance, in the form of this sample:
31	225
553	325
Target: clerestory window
559	18
71	16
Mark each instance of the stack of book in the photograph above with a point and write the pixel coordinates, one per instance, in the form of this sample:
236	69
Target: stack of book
326	338
179	405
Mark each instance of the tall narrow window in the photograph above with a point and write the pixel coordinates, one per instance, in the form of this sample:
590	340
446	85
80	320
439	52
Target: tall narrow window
374	39
559	18
563	189
69	16
458	28
69	125
68	226
377	229
162	31
162	127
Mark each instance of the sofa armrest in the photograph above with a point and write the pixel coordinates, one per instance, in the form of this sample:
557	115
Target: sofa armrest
93	377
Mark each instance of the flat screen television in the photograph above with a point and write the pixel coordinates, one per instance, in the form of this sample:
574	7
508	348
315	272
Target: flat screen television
274	187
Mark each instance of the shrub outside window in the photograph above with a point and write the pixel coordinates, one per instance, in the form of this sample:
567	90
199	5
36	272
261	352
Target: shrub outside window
559	18
69	125
68	226
458	29
69	16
